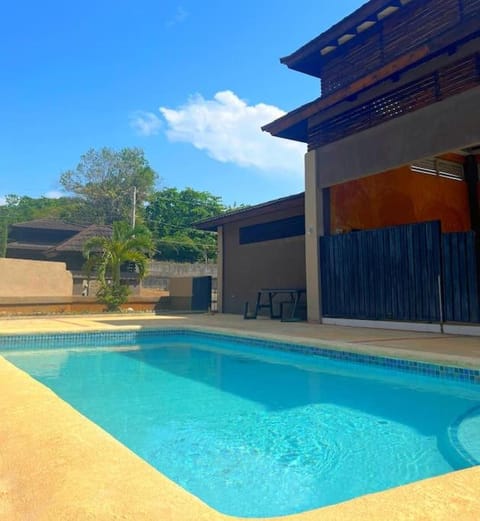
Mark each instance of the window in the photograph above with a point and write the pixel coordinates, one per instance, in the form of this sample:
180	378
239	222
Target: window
290	227
440	167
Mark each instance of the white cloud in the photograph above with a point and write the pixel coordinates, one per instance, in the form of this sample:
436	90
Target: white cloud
228	129
54	194
3	200
145	123
180	16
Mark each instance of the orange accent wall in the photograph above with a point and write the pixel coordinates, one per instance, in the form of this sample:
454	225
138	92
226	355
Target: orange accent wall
451	156
399	197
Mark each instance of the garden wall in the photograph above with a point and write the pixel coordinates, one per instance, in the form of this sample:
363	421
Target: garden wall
28	278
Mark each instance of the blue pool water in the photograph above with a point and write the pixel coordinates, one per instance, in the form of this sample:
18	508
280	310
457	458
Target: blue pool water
256	432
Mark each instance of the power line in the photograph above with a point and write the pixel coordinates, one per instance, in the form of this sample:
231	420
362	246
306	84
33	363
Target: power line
160	195
184	227
166	241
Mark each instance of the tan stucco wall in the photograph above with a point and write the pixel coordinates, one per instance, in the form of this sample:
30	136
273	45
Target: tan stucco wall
248	267
181	287
28	278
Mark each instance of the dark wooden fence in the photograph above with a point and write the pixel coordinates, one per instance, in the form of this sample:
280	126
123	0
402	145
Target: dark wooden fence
409	272
459	269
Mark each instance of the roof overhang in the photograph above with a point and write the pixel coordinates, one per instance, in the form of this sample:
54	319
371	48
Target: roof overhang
28	246
457	40
309	58
48	224
76	243
283	203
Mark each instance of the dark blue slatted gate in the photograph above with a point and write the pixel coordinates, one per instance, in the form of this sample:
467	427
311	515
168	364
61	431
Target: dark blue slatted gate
396	274
460	286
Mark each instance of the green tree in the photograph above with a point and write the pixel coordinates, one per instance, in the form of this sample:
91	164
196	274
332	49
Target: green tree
23	208
170	213
107	255
106	182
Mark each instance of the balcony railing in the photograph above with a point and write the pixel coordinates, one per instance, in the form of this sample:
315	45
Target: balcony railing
443	83
416	24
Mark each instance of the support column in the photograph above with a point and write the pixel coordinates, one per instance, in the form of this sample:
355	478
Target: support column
471	178
470	171
220	264
314	228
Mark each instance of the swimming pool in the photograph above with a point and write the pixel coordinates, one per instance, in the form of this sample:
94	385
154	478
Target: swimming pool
256	428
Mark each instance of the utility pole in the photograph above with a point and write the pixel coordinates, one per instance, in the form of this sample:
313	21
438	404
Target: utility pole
134	209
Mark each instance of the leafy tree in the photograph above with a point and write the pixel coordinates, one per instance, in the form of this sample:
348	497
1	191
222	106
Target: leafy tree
170	213
104	182
23	208
106	256
182	248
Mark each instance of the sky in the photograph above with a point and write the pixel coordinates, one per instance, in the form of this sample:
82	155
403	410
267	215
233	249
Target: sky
189	82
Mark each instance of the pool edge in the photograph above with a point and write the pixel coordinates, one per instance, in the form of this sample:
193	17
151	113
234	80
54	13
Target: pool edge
449	367
35	451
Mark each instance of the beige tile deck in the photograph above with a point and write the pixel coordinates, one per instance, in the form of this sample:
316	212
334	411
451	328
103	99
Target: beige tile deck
56	464
454	349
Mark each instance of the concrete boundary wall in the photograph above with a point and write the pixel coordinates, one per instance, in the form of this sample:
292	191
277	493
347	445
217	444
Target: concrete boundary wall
181	269
28	278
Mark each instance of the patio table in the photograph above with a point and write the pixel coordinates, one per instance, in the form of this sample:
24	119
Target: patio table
266	296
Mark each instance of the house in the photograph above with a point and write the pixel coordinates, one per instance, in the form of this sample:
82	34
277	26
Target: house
32	239
52	240
259	246
61	242
391	173
70	250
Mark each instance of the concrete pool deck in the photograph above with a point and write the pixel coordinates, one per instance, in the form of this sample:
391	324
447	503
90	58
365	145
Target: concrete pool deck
56	464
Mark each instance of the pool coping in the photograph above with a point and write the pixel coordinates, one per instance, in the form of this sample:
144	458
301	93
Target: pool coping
454	493
339	351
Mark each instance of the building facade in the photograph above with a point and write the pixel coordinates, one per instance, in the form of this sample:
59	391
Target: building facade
261	246
393	140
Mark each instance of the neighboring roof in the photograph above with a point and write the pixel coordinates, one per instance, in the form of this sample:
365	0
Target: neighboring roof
76	243
28	246
309	58
49	224
212	223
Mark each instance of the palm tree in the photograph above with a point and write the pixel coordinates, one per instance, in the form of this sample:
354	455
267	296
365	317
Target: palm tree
106	255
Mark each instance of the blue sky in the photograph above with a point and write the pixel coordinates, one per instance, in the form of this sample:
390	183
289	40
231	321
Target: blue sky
188	82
